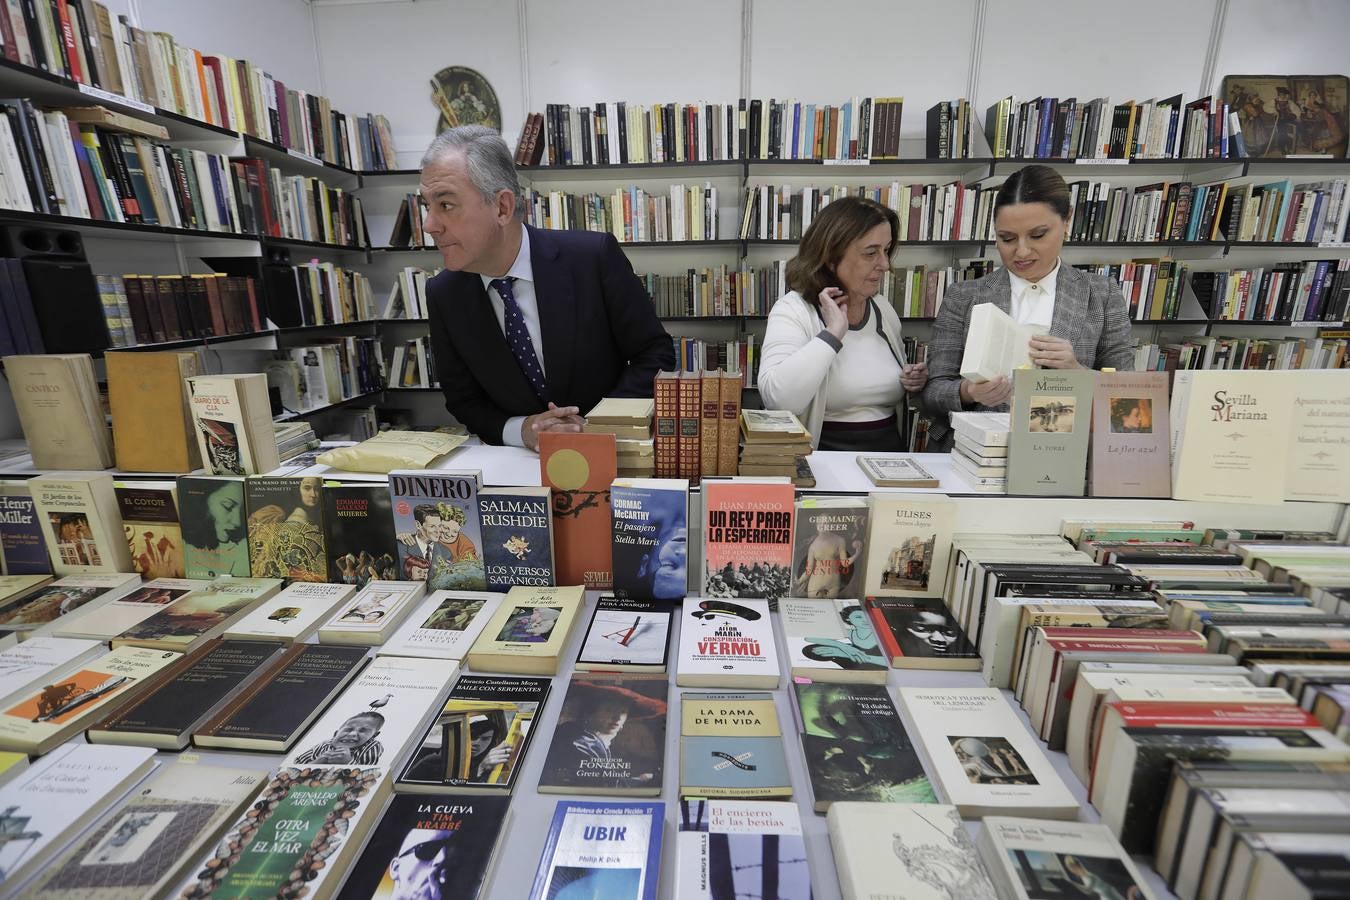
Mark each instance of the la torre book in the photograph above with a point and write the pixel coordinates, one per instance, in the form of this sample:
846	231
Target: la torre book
726	643
54	798
437	528
517	536
528	631
106	621
370	616
23	550
143	848
580	469
1051	419
747	538
478	740
983	757
292	615
153	533
831	640
651	536
1031	858
444	626
921	633
908	548
42	658
626	636
285	528
601	850
360	533
38	612
377	717
1230	435
856	747
730	848
827	555
425	840
198	616
731	745
610	738
80	522
215	526
1130	445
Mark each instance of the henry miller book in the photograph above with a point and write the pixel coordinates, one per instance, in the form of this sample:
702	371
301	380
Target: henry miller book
214	525
517	536
1051	419
285	528
359	535
726	643
747	538
610	737
580	469
22	549
831	534
909	545
437	528
601	850
650	537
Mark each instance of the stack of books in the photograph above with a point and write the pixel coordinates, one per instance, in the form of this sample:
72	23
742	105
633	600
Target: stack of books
629	419
774	442
980	454
294	438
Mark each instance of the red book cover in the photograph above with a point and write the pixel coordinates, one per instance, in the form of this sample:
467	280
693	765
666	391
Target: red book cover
1060	645
747	538
1121	634
222	94
72	52
690	425
11	45
580	468
213	302
1171	714
666	396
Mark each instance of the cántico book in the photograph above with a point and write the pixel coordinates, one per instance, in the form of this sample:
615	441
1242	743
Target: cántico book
831	640
601	850
726	643
747	538
830	538
437	528
610	738
444	626
626	636
517	536
214	526
580	469
725	848
359	533
285	528
528	631
650	538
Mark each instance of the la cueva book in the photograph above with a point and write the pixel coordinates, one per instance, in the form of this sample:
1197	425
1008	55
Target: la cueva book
610	738
580	469
438	529
609	850
517	536
731	745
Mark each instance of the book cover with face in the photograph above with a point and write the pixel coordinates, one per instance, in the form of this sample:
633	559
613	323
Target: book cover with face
438	529
285	528
214	526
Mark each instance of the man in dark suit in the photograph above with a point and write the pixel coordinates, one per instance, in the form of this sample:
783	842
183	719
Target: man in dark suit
529	327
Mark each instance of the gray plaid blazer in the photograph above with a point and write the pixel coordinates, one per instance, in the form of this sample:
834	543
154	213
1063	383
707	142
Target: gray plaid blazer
1090	313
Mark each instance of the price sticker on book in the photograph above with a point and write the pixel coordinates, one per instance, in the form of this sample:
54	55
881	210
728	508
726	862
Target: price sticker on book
305	156
109	97
846	162
1101	162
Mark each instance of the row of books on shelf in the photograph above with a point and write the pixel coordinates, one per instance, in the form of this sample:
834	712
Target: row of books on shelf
1212	352
413	365
83	42
148	309
632	215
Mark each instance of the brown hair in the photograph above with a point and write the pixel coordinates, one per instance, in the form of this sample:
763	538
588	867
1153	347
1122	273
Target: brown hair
835	227
1034	184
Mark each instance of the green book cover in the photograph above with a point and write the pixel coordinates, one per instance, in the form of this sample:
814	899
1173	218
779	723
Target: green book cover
215	536
1051	419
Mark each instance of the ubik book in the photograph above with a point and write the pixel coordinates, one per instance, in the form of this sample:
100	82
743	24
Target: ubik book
610	738
436	523
517	536
360	533
601	850
285	528
727	643
626	635
747	538
580	469
214	526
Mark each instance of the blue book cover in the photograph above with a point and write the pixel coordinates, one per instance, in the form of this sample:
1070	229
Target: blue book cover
601	850
22	548
731	746
650	538
437	526
517	525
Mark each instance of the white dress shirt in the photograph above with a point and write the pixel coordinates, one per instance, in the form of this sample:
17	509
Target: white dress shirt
523	290
1034	303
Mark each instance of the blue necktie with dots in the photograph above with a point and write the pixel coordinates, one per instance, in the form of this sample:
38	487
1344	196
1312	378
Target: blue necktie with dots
518	337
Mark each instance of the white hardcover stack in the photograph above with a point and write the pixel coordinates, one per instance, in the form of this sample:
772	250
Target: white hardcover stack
980	453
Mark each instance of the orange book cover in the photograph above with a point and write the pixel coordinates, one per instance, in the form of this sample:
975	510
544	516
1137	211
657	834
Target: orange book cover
710	403
580	468
690	420
747	538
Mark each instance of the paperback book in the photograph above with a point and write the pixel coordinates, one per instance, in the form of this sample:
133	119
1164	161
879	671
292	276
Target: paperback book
150	521
372	614
1230	435
915	851
517	536
1130	446
920	633
747	538
23	549
444	626
1030	859
46	658
292	615
103	622
528	631
215	528
910	541
601	850
35	613
81	524
232	416
725	848
831	641
626	636
359	536
285	528
198	616
731	745
436	524
1051	420
610	738
727	643
580	469
827	557
650	538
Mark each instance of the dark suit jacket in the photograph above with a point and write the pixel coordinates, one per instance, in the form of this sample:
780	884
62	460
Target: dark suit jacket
599	328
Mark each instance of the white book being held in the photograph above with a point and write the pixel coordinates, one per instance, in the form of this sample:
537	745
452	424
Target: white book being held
727	643
996	344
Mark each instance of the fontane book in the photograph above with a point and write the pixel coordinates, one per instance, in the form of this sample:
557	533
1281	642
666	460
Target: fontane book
831	640
747	538
528	631
1130	445
378	715
105	622
916	851
430	845
444	626
1051	419
580	469
478	741
437	528
725	848
372	614
731	746
81	524
920	633
23	551
297	836
610	737
908	548
146	846
360	533
200	615
610	850
827	557
1230	435
1319	466
727	643
53	799
292	615
215	527
22	665
1031	858
37	612
856	748
626	635
651	532
150	520
285	528
517	536
274	709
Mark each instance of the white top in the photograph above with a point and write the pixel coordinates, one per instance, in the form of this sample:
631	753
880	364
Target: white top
865	377
1033	303
523	290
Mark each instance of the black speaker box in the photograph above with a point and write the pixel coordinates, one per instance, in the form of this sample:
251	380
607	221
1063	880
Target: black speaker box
61	284
23	241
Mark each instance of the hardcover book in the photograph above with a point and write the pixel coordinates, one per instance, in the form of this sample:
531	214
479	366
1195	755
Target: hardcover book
1230	435
1051	420
601	850
150	521
215	528
831	641
198	616
285	528
580	469
56	397
106	621
528	631
747	538
49	658
726	643
732	746
1032	858
81	524
920	633
610	738
827	558
373	614
915	851
34	613
909	544
444	626
151	421
293	615
23	550
725	848
517	536
650	538
477	742
436	523
626	635
1130	446
359	533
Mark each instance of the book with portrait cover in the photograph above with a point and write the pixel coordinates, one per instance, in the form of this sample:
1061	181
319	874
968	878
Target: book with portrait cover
724	847
198	616
856	747
747	538
909	545
827	556
81	523
650	538
150	521
23	550
444	626
731	745
103	622
726	643
37	613
580	469
214	526
831	640
477	742
359	533
601	850
1130	445
292	615
1051	419
920	633
421	836
610	738
517	536
528	631
1031	858
919	851
373	614
626	636
145	846
285	528
437	526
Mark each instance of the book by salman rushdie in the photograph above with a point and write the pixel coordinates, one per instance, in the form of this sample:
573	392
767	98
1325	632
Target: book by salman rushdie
517	536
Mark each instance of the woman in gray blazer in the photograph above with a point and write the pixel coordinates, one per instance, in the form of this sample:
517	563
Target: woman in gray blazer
1082	320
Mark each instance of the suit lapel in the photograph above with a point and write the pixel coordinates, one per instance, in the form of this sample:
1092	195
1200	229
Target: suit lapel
998	290
553	293
1071	296
484	345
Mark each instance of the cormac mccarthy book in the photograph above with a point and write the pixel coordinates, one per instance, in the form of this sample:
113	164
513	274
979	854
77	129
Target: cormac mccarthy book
650	538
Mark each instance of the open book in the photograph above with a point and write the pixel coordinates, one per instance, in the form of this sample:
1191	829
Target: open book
995	344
